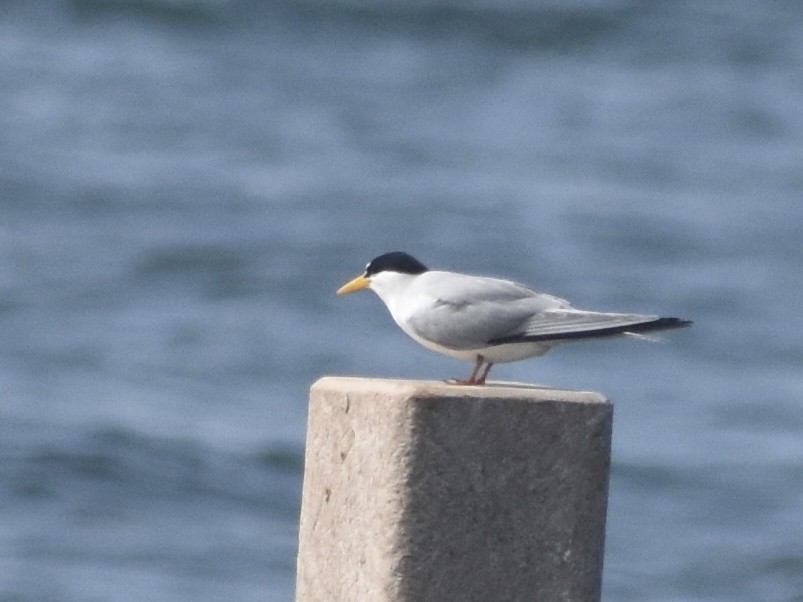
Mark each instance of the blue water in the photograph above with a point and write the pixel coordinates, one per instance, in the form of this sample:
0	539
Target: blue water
184	184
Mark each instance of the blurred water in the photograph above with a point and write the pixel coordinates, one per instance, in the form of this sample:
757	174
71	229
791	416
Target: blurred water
184	183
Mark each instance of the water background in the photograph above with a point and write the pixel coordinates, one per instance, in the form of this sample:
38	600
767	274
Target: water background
184	184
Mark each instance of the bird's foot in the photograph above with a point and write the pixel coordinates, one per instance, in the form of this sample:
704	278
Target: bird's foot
464	382
477	377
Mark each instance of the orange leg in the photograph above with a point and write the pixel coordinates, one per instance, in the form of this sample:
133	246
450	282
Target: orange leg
472	379
481	379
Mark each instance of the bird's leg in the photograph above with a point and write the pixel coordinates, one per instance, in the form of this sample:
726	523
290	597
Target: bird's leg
481	379
472	379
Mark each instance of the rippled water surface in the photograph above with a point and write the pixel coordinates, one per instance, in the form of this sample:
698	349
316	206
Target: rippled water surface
183	185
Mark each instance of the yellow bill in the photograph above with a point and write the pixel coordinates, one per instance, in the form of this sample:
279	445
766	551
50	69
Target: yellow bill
351	286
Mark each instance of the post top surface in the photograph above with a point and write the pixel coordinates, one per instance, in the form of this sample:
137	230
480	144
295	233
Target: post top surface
437	388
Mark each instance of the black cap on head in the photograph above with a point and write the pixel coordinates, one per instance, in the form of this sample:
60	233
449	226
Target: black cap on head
396	261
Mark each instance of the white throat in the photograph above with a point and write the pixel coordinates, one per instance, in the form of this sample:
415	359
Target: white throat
392	288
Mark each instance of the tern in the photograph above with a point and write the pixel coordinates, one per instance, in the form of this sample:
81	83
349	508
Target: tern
486	320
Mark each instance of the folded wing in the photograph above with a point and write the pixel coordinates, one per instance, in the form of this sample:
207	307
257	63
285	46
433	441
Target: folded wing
467	312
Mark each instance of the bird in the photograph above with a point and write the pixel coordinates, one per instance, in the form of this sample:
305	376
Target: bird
486	320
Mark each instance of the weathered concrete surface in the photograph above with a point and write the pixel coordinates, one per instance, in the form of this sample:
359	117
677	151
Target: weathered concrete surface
423	491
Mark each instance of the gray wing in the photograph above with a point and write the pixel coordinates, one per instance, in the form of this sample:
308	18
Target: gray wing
468	312
471	312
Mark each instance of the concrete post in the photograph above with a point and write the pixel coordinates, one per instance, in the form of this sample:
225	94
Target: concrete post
423	491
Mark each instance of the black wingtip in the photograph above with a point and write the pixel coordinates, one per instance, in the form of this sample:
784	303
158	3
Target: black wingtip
653	325
666	323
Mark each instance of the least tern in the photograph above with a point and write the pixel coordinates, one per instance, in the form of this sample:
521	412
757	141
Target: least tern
486	320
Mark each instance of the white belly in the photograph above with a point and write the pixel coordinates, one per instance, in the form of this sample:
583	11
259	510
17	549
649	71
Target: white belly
496	354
